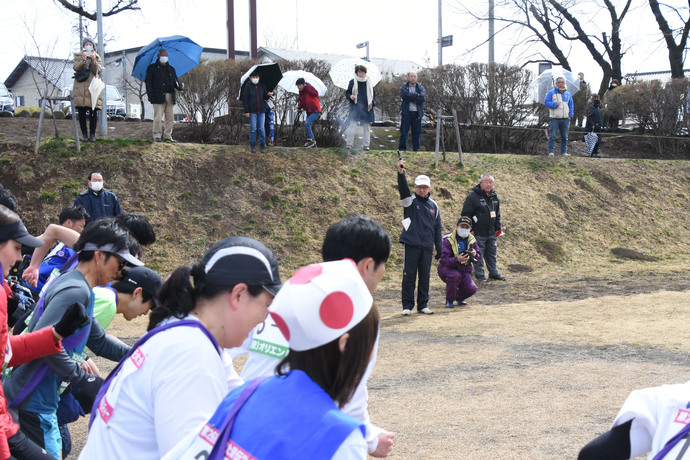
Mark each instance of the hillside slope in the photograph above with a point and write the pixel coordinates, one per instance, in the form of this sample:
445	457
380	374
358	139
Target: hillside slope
563	217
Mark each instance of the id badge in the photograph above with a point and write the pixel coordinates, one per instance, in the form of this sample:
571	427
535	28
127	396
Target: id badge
493	214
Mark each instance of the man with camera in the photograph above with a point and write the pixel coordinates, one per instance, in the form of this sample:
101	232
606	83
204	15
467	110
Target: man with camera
483	207
459	251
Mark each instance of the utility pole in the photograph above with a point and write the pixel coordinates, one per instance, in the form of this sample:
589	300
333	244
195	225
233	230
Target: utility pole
124	79
231	29
491	31
440	33
103	131
252	29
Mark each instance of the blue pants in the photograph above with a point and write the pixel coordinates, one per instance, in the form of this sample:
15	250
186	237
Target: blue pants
256	122
411	120
311	118
487	253
416	260
562	125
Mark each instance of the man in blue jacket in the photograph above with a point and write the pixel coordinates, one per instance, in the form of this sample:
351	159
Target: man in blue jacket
98	201
561	110
412	95
422	230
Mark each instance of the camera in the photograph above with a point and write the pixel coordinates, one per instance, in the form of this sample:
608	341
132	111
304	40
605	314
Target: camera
469	253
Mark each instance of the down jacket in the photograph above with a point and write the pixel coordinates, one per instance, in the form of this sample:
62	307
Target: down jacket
80	91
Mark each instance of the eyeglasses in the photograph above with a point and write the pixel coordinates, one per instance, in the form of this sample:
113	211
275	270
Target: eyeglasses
123	265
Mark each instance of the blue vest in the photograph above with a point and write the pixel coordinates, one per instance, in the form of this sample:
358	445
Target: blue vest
288	417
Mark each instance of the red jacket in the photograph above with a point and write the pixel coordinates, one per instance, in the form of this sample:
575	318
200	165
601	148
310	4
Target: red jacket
25	347
309	100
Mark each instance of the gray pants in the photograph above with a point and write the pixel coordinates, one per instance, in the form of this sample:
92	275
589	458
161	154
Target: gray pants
487	247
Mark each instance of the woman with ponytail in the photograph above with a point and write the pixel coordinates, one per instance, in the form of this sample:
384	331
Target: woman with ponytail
175	376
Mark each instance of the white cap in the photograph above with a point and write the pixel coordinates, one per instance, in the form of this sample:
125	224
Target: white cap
320	303
423	180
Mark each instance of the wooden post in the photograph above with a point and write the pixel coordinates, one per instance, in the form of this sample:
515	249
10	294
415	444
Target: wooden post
40	125
457	134
438	133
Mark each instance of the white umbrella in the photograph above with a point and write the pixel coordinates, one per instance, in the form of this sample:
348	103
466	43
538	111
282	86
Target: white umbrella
96	88
546	81
343	71
291	76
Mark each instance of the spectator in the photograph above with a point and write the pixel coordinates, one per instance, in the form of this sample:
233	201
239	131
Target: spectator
593	124
269	121
161	83
297	414
98	201
33	388
18	349
89	60
652	421
421	232
581	99
483	207
253	96
412	111
309	102
560	105
203	309
368	244
362	98
455	267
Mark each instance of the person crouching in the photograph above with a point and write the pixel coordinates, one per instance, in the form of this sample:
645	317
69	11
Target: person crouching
460	249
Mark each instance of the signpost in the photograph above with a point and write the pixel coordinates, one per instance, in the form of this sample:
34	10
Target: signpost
364	45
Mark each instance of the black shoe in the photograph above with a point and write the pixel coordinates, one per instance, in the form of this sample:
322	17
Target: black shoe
462	303
481	279
157	139
92	138
262	148
497	277
252	148
85	138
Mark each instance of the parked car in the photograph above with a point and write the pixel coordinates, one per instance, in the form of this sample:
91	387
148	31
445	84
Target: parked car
6	100
116	103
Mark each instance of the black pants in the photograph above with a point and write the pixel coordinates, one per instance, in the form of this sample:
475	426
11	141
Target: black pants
23	448
93	120
612	445
416	260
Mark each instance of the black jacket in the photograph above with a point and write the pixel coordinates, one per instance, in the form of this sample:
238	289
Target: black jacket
253	97
425	229
478	207
161	79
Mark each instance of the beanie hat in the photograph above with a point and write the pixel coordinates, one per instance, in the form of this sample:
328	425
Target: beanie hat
87	39
320	303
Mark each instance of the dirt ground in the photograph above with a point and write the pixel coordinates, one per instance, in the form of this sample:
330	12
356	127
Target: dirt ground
534	367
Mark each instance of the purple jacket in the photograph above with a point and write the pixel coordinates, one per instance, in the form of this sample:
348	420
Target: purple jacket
449	260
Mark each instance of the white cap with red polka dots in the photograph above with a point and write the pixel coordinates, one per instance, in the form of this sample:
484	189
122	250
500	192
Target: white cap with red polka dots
320	303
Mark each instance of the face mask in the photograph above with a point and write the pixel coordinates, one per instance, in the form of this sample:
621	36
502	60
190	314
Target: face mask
164	59
88	49
255	80
463	232
96	186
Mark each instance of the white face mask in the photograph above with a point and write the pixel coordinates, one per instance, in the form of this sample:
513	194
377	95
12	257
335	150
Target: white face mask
463	232
254	80
96	186
88	49
164	59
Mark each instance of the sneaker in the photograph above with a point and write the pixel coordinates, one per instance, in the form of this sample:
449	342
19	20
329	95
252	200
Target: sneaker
310	143
595	155
565	154
157	139
262	148
365	149
497	277
252	148
449	304
171	140
406	312
481	279
550	154
462	303
426	311
85	138
92	138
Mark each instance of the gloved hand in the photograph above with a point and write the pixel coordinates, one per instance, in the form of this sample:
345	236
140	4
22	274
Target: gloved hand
438	255
74	318
88	390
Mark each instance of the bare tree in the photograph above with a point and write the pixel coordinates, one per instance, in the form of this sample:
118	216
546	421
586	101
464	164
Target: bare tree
118	6
676	51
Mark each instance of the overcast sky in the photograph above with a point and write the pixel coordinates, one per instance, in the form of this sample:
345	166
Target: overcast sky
401	29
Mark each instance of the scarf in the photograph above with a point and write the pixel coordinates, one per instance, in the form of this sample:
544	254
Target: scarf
370	91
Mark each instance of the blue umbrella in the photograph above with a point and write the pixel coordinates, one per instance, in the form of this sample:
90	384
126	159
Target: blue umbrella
183	54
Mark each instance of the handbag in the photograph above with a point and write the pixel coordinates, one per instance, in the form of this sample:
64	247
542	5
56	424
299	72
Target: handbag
83	74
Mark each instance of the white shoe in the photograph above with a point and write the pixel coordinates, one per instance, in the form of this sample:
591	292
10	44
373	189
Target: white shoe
550	154
565	154
406	312
426	311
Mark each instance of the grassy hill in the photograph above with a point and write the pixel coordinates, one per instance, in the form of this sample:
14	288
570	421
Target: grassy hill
566	218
